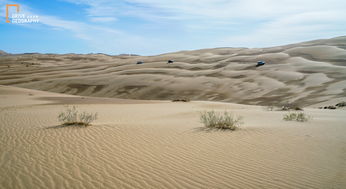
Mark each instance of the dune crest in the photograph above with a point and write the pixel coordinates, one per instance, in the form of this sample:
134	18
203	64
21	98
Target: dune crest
304	73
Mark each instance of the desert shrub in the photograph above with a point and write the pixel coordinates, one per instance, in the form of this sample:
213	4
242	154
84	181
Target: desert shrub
181	100
225	120
283	107
71	116
290	106
328	107
341	104
295	116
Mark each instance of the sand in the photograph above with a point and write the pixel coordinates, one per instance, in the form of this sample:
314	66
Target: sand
143	140
306	74
161	144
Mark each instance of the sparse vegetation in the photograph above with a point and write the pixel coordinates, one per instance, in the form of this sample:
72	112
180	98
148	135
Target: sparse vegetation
283	107
330	107
181	100
290	106
296	116
218	120
338	105
341	104
71	116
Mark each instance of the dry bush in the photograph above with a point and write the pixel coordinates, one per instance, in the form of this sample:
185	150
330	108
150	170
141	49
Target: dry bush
72	117
341	104
290	106
225	120
283	107
295	116
181	100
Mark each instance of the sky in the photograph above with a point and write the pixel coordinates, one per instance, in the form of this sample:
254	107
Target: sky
151	27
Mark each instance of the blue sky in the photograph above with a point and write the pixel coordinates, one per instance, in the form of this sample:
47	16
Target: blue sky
150	27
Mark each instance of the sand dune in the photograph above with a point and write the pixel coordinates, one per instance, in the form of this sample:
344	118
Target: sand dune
160	144
305	73
3	53
143	140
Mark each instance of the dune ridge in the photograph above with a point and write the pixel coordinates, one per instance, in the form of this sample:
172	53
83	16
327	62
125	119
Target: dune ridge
305	73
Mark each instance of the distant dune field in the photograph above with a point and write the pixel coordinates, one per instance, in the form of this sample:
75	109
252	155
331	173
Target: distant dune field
306	73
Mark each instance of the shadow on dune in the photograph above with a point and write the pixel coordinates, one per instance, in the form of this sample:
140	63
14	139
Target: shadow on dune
65	126
208	130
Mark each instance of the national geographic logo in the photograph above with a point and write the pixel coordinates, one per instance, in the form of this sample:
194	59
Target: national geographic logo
17	18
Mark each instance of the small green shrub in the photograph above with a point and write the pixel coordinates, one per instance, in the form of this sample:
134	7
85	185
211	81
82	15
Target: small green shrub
225	120
72	117
295	116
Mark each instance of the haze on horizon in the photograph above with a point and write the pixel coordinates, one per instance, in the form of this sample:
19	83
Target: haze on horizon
150	27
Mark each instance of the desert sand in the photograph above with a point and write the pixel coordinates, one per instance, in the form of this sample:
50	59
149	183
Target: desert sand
142	139
305	73
161	144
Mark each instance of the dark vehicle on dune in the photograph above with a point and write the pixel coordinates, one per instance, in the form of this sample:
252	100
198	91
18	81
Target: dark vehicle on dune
140	62
260	63
170	61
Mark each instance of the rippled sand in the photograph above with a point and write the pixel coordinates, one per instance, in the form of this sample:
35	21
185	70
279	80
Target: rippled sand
160	144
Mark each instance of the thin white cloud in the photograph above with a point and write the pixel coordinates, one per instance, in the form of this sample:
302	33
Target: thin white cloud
196	15
230	9
290	29
99	37
103	19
